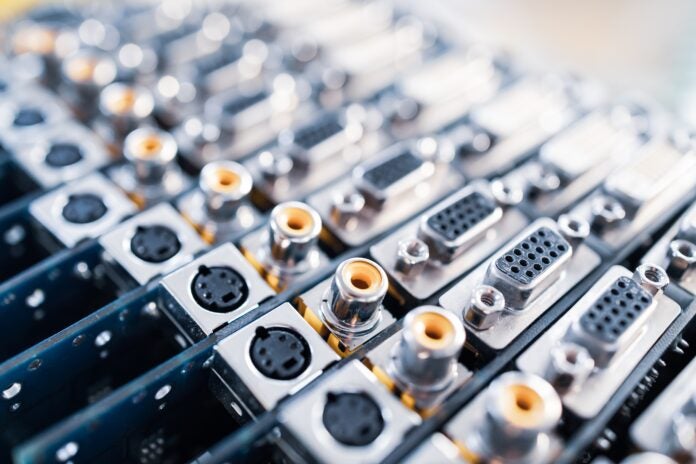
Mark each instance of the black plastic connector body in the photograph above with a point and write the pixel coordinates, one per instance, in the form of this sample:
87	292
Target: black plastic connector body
312	135
353	419
615	311
155	244
533	255
28	117
84	208
458	218
241	103
220	289
280	353
392	170
63	154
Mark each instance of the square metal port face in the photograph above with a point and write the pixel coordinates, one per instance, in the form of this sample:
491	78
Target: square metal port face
102	201
436	449
513	322
411	193
304	349
61	153
28	112
353	384
520	119
596	391
216	288
661	172
436	275
164	221
653	430
658	254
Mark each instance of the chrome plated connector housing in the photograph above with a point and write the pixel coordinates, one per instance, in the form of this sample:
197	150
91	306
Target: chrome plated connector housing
219	207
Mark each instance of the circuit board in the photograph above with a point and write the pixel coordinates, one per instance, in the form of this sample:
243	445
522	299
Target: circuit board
327	231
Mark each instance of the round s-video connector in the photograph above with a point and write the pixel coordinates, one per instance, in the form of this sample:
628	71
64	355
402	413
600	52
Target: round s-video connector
353	303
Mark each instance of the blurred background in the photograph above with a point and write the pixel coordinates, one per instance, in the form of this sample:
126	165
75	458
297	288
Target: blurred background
636	46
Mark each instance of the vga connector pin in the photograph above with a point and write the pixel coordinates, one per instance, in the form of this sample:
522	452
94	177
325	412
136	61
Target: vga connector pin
577	159
314	153
505	294
219	208
513	421
450	238
593	348
386	189
287	249
420	363
517	121
151	172
441	91
347	308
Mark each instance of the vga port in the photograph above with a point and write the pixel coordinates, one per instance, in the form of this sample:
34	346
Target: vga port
242	102
312	135
454	228
525	270
612	320
392	175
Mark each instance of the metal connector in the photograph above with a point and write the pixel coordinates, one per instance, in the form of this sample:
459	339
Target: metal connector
352	305
401	180
273	366
84	74
512	421
151	173
151	243
214	289
618	315
219	207
526	269
123	108
85	208
349	414
424	362
606	333
501	297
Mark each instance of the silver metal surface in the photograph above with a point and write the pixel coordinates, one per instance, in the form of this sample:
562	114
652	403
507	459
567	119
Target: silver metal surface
492	428
31	153
436	449
427	374
656	428
287	248
442	90
117	243
659	253
515	122
179	296
219	207
318	297
384	208
32	98
513	322
235	351
289	171
658	177
599	387
434	274
48	209
578	159
303	417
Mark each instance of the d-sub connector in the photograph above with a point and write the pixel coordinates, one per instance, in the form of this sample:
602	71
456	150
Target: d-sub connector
529	267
